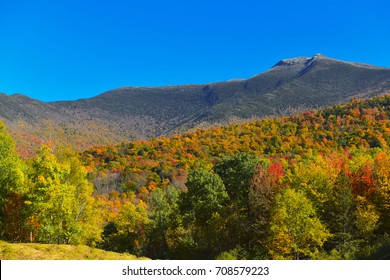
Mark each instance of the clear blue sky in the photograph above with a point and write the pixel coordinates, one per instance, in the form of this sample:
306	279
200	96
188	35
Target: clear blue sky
64	50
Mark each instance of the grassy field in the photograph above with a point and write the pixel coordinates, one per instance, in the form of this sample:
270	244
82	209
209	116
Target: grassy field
34	251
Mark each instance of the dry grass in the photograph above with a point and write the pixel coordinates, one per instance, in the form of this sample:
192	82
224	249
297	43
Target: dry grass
34	251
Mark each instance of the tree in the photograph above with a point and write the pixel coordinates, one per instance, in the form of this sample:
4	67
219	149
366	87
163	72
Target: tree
316	178
126	233
237	172
206	195
85	216
295	230
201	206
382	196
265	186
61	202
340	218
13	186
367	218
163	211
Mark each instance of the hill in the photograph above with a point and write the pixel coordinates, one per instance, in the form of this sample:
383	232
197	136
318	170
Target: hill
131	113
253	190
35	251
313	185
357	124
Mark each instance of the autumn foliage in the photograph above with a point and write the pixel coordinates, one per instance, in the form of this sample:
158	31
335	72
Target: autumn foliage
310	186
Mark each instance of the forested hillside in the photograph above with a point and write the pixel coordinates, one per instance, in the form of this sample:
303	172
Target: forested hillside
311	186
134	113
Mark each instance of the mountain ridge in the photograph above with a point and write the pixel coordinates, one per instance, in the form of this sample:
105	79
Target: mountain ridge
130	113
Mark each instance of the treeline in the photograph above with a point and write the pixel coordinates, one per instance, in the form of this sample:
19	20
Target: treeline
311	186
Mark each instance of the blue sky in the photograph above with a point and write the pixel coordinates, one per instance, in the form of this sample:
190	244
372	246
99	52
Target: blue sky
65	50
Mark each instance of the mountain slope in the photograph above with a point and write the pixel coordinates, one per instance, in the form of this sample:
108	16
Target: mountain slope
337	158
357	124
311	82
291	83
130	113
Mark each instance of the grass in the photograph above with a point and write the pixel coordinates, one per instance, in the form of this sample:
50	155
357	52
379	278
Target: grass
35	251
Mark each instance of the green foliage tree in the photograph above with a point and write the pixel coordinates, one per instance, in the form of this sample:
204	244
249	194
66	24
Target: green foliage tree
206	195
163	212
237	172
13	186
295	230
340	218
201	206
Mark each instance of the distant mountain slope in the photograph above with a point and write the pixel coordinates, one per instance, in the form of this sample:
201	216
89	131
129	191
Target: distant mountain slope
130	113
291	83
316	81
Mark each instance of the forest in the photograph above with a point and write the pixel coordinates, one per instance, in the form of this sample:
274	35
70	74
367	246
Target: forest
315	185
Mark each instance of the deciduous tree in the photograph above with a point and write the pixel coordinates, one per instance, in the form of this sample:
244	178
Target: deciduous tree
295	230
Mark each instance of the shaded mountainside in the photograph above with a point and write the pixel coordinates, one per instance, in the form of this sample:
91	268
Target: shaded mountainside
131	113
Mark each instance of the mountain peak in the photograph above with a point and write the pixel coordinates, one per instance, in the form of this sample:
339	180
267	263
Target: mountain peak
302	61
319	56
297	61
292	61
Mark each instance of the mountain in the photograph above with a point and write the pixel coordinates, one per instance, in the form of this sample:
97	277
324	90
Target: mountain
130	113
232	180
